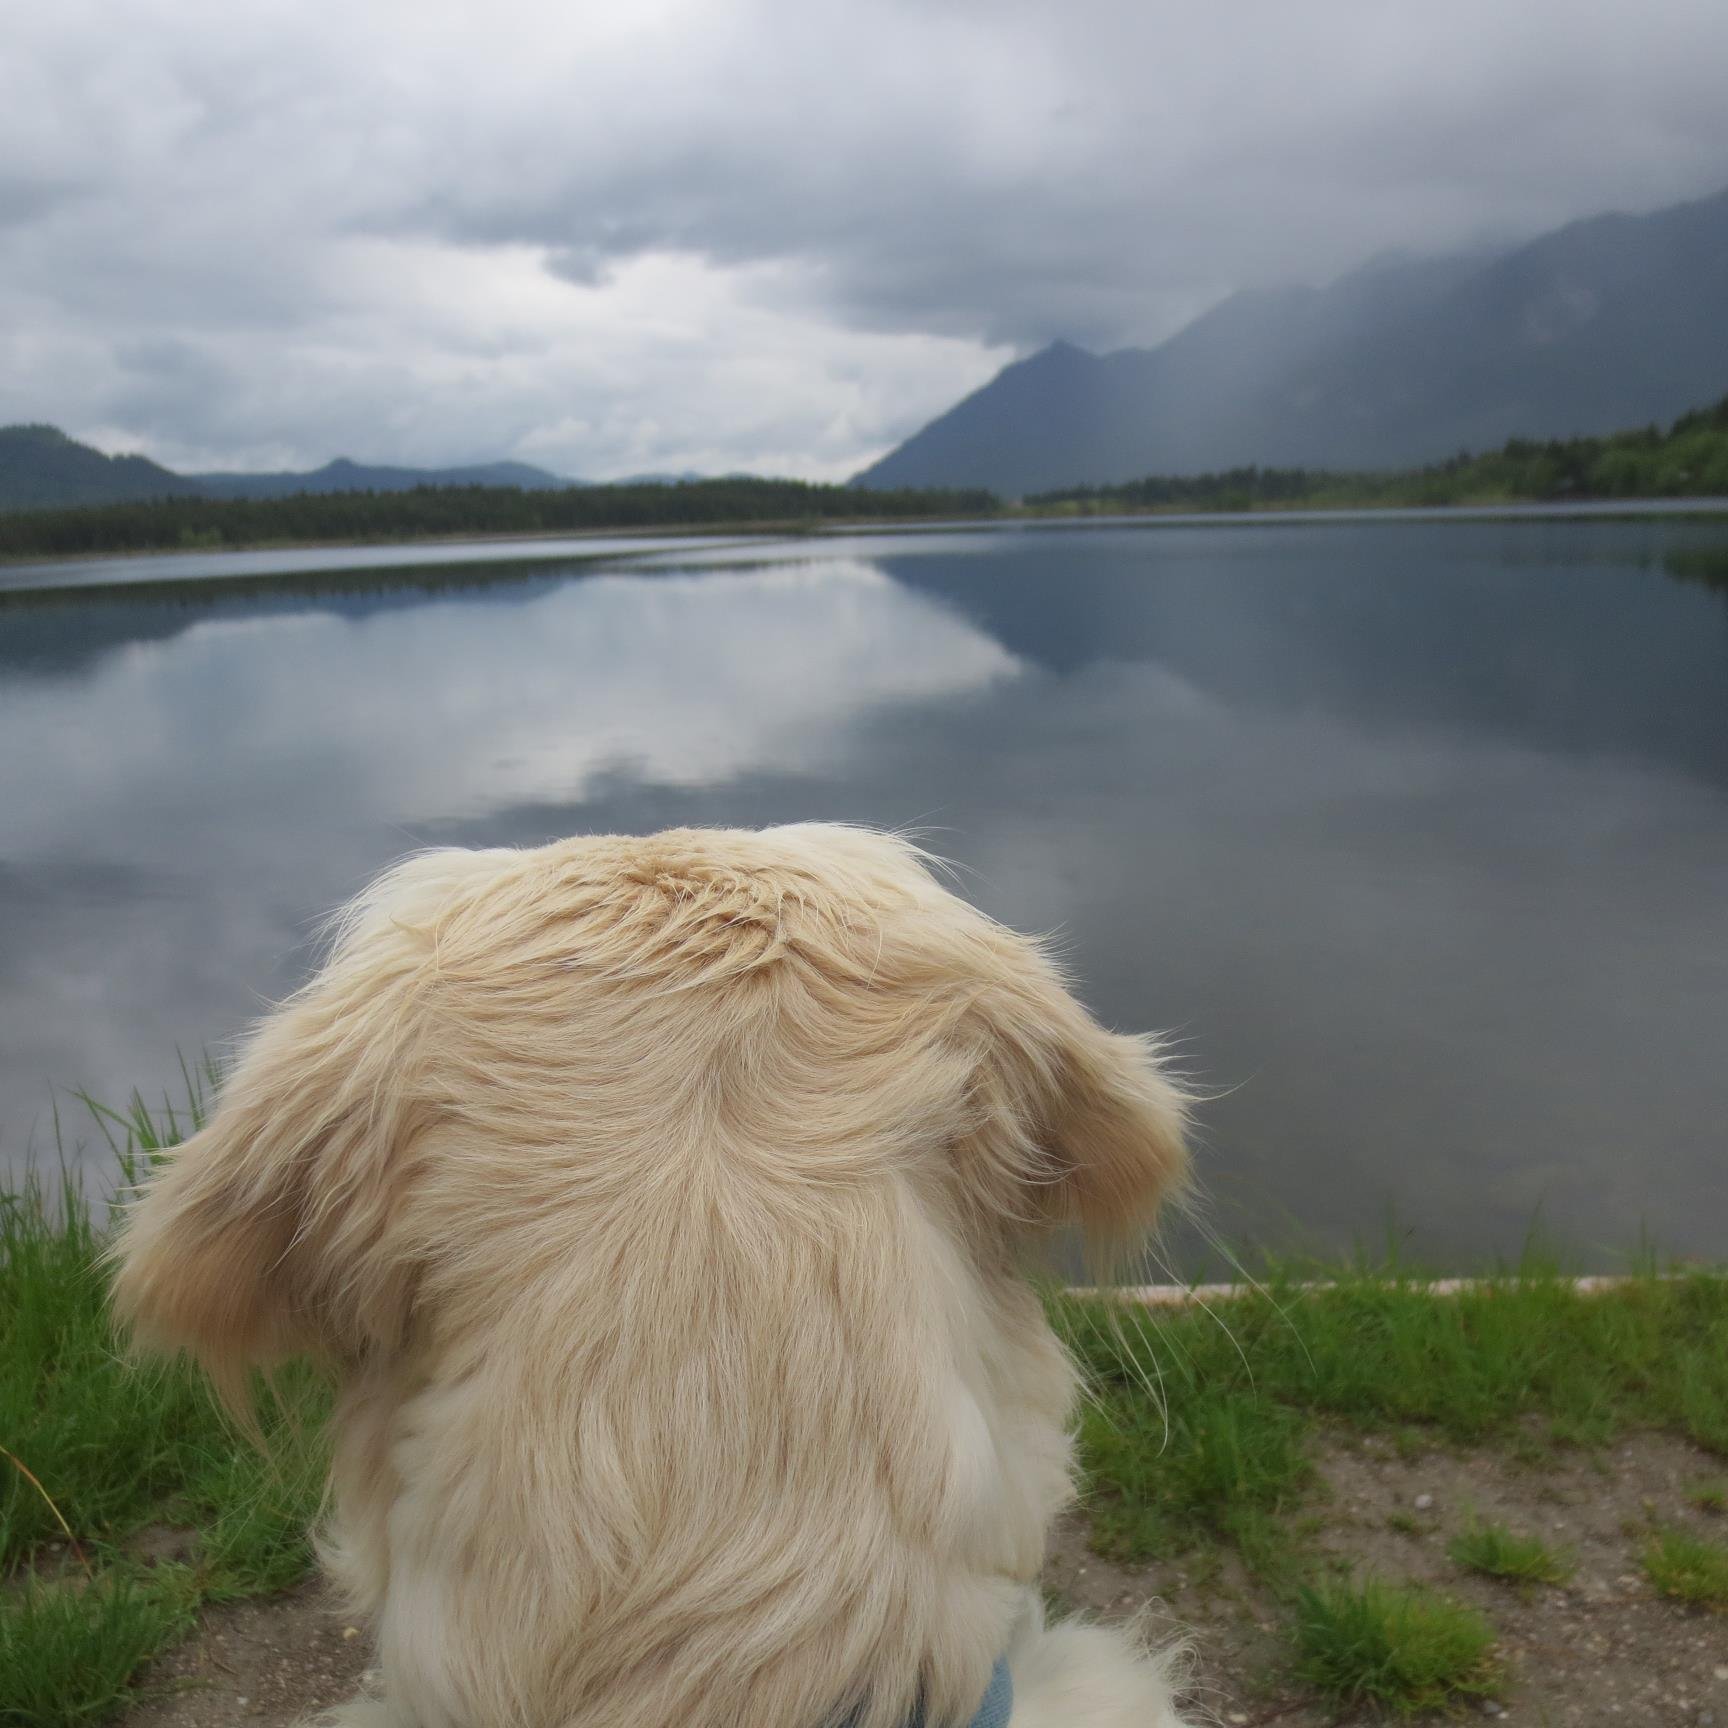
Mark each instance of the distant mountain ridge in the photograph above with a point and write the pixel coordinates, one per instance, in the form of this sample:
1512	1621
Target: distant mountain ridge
1610	322
41	467
342	475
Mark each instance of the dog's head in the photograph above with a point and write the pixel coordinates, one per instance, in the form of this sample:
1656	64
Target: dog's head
786	1029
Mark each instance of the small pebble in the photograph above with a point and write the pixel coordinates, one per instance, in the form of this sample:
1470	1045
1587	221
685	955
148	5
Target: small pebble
1424	1502
350	1631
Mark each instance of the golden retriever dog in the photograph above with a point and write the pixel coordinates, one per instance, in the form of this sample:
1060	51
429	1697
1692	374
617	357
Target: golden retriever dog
661	1207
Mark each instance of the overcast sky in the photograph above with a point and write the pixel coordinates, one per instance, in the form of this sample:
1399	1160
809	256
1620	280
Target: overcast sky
779	236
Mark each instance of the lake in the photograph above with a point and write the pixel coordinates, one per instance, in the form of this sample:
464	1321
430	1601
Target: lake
1413	833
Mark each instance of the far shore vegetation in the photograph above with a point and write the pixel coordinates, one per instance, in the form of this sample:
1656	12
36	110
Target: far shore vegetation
1687	460
129	1505
453	512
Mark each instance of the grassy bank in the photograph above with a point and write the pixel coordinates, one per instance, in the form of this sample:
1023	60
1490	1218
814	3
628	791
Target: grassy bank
127	1505
1200	1440
1524	1360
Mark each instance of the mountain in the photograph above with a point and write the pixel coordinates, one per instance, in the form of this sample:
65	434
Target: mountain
40	465
345	476
1611	322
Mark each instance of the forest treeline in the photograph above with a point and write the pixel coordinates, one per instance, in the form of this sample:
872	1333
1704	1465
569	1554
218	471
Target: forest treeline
431	512
1688	460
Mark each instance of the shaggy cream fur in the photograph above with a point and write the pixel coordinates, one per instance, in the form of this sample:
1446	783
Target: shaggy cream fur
660	1205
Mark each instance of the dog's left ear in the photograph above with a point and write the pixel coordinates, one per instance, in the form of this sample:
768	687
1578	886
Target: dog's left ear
266	1233
1089	1114
205	1259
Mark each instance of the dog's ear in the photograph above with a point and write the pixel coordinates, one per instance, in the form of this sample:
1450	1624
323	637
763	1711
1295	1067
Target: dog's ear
1086	1122
264	1234
205	1259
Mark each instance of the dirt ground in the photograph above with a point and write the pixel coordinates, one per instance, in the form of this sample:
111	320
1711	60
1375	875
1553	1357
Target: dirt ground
1601	1652
264	1664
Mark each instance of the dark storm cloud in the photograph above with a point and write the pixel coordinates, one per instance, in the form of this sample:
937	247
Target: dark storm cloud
682	234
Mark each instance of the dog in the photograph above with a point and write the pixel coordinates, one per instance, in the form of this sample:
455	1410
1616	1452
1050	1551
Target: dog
661	1208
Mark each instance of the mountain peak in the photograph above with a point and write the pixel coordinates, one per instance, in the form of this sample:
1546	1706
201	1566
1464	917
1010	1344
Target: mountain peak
1060	352
1600	325
40	466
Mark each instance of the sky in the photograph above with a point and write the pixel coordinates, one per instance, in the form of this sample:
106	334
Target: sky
765	235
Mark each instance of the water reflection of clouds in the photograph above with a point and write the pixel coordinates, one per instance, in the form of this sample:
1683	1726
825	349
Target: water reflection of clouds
452	709
248	772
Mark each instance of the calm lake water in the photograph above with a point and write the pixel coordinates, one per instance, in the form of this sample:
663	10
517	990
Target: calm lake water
1415	833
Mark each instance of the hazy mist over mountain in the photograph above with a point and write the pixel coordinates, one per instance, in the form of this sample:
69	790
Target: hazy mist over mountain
1607	323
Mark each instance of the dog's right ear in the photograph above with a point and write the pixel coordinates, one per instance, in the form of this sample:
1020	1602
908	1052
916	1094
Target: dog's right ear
1085	1126
266	1234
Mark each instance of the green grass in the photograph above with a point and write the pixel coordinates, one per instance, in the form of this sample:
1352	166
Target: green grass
68	1651
1688	1569
101	1450
1711	1497
1215	1465
1394	1648
1497	1552
1375	1350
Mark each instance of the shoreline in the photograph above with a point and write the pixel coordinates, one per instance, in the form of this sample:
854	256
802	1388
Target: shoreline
571	543
678	531
1198	1295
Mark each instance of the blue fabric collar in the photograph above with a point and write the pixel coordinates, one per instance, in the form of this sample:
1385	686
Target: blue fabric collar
998	1703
